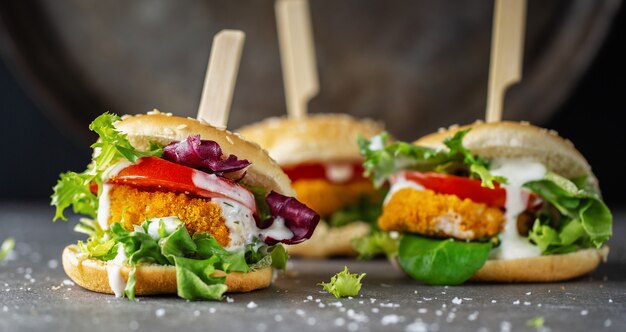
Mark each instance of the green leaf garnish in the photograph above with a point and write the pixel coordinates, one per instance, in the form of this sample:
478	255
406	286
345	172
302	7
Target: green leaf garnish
7	247
74	189
383	158
344	284
441	262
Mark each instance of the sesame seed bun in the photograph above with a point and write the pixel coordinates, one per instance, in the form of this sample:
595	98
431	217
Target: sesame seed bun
162	128
548	268
150	279
317	138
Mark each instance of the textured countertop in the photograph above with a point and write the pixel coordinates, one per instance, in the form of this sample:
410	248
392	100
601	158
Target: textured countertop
36	295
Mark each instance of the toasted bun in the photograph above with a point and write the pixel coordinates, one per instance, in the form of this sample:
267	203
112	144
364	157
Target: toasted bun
330	241
156	127
542	268
317	138
518	140
150	279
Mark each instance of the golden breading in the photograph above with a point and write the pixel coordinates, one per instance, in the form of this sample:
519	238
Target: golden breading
325	197
428	213
199	215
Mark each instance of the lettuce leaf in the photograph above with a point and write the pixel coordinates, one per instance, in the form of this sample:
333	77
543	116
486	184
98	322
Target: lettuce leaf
6	247
74	189
363	210
343	284
376	243
587	220
441	262
383	158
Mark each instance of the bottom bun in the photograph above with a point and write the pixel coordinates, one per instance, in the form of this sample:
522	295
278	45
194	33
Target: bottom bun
542	268
150	279
330	241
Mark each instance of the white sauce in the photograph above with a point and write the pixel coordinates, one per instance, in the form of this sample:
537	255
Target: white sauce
104	207
277	231
171	224
240	222
518	172
104	203
113	267
339	173
400	182
211	182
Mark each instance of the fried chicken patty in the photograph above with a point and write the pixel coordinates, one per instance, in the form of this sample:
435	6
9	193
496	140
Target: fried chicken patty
428	213
133	206
325	197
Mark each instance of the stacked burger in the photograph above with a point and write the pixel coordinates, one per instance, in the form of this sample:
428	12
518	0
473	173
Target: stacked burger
503	201
320	155
178	206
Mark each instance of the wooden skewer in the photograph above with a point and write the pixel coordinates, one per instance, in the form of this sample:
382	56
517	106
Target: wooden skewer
507	50
221	75
297	53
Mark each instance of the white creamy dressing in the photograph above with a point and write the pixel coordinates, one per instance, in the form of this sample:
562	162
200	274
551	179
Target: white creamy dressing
239	220
339	172
518	172
104	203
277	231
171	224
211	182
113	267
400	182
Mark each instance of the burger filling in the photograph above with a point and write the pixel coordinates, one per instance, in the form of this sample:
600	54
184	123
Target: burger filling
338	191
184	204
455	210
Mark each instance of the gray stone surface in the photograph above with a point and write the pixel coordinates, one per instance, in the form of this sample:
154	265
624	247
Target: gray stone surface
36	295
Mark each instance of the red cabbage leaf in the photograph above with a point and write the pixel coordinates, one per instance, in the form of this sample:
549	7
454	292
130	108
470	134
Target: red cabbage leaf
202	155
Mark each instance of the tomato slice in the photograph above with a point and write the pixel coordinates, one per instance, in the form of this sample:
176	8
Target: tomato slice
314	171
160	174
462	187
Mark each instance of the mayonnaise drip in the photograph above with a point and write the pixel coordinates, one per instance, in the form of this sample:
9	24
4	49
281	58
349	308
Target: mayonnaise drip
104	203
277	231
113	267
239	220
518	172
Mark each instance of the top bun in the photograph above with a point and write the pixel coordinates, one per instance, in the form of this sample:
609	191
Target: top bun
163	128
518	140
316	138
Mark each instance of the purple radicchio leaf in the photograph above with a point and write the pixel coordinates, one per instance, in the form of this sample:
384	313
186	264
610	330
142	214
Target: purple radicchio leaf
203	155
299	219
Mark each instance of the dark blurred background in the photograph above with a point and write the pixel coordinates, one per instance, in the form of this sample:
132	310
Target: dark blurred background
417	65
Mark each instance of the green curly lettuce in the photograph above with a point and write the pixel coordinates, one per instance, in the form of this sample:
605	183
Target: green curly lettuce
383	158
343	284
585	220
6	247
195	257
74	189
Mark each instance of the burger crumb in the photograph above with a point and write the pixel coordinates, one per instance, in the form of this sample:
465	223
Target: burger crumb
230	299
584	312
457	300
473	316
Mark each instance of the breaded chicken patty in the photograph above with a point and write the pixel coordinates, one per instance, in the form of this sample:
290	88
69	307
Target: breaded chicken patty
325	197
134	206
428	213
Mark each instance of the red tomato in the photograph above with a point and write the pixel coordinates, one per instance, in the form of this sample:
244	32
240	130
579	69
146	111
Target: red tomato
157	173
313	171
462	187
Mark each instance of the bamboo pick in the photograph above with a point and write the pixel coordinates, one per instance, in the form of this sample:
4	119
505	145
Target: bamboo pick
297	53
507	49
221	76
